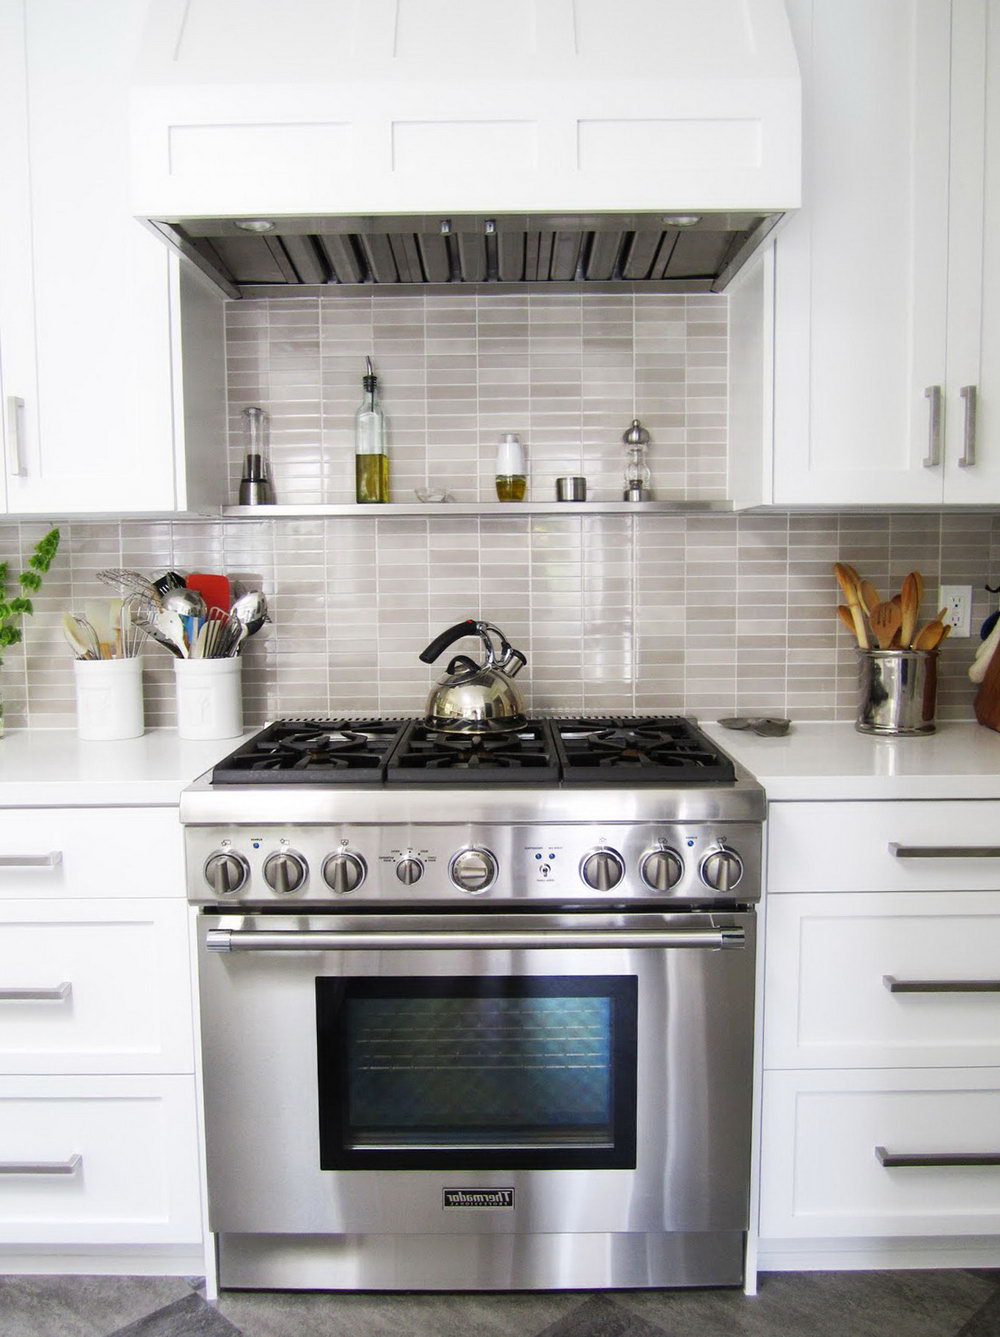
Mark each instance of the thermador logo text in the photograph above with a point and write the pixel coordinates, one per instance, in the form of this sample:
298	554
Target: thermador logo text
478	1197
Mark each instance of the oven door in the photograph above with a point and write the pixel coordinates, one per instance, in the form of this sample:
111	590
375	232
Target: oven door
493	1072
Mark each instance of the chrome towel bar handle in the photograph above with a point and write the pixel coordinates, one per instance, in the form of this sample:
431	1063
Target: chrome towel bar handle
943	851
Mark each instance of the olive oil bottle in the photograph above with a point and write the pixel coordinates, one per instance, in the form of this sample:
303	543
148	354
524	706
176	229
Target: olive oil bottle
511	476
371	458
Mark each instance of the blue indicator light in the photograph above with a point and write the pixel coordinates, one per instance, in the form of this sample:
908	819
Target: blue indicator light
690	842
538	856
552	856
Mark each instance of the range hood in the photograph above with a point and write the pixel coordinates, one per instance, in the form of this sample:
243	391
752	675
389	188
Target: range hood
402	142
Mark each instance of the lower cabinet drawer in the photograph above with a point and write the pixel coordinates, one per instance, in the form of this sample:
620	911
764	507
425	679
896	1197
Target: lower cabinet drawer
883	979
98	1160
95	987
821	1173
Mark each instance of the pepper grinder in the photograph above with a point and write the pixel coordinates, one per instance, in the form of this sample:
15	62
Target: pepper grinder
255	485
636	469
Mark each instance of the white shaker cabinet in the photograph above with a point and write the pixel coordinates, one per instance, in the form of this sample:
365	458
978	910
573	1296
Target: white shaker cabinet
881	1047
874	323
99	1132
112	359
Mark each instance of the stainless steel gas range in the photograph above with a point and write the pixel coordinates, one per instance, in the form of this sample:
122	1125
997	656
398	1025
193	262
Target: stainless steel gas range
477	1011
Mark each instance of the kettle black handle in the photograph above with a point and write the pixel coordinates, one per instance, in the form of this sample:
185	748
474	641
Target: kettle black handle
440	643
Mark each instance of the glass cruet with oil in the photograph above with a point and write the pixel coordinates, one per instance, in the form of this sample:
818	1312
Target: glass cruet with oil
371	458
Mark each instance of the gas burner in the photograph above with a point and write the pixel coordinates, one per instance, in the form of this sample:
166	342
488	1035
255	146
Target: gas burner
314	751
524	756
641	750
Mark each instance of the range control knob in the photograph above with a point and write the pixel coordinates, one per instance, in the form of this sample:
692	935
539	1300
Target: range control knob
602	869
473	870
409	870
661	868
344	872
284	872
721	870
226	873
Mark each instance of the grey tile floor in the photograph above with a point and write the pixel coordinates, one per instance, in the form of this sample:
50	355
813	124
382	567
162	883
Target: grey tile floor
806	1304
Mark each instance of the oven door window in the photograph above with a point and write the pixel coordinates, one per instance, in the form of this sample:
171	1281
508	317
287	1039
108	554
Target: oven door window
505	1073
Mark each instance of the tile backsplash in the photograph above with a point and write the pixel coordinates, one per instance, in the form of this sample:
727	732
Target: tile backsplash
705	614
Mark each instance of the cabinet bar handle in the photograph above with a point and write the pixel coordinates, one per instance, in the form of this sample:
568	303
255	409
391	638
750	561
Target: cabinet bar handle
51	860
933	393
944	851
940	986
970	394
891	1159
15	436
57	994
69	1167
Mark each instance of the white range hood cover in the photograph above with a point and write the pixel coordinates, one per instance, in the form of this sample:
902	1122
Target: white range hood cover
246	109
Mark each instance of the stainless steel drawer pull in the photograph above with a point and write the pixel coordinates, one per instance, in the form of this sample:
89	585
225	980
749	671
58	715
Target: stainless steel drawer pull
940	986
69	1167
15	437
919	1159
933	393
56	994
235	940
51	860
967	459
944	851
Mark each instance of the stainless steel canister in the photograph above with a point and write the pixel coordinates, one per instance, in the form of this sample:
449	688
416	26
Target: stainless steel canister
571	489
897	690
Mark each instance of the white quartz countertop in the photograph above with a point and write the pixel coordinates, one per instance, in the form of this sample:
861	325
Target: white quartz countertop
834	761
53	768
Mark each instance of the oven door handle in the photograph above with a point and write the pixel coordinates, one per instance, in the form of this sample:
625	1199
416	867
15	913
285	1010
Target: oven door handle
318	940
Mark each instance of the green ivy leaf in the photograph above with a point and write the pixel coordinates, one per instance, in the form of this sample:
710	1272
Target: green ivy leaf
30	580
20	605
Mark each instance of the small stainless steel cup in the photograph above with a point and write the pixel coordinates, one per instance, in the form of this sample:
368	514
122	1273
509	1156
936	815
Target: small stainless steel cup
571	489
897	691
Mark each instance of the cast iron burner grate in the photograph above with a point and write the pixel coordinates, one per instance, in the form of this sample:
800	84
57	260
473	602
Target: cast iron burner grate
639	750
314	752
428	756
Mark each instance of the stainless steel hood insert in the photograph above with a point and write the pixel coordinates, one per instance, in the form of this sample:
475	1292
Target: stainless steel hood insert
693	253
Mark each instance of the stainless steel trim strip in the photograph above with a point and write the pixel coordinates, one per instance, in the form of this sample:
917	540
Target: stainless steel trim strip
926	1159
236	940
67	1167
935	426
56	994
944	851
940	986
970	394
51	860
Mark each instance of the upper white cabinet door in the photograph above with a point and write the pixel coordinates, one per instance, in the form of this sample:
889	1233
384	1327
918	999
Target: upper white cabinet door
973	430
99	419
861	272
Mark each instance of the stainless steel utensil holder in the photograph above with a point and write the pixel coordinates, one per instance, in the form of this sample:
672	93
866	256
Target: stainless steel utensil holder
897	691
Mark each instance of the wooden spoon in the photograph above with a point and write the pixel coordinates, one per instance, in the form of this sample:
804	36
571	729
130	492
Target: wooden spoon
930	635
844	614
909	608
847	580
885	622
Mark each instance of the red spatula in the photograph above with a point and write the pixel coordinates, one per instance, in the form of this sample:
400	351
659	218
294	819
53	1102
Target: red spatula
213	589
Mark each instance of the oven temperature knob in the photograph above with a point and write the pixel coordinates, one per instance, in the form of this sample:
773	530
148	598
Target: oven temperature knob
602	870
473	870
409	871
226	873
284	872
722	870
661	869
344	872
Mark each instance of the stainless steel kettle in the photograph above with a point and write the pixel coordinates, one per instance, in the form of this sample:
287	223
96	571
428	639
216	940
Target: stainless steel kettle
476	698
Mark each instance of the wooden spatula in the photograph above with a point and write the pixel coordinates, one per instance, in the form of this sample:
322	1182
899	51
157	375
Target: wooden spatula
869	596
909	607
884	620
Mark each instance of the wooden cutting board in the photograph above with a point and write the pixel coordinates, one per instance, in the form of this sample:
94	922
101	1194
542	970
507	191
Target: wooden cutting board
987	705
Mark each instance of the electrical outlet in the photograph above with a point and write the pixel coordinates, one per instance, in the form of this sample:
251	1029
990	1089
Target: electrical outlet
957	599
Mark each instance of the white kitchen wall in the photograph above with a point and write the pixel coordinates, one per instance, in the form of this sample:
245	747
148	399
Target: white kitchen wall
707	614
